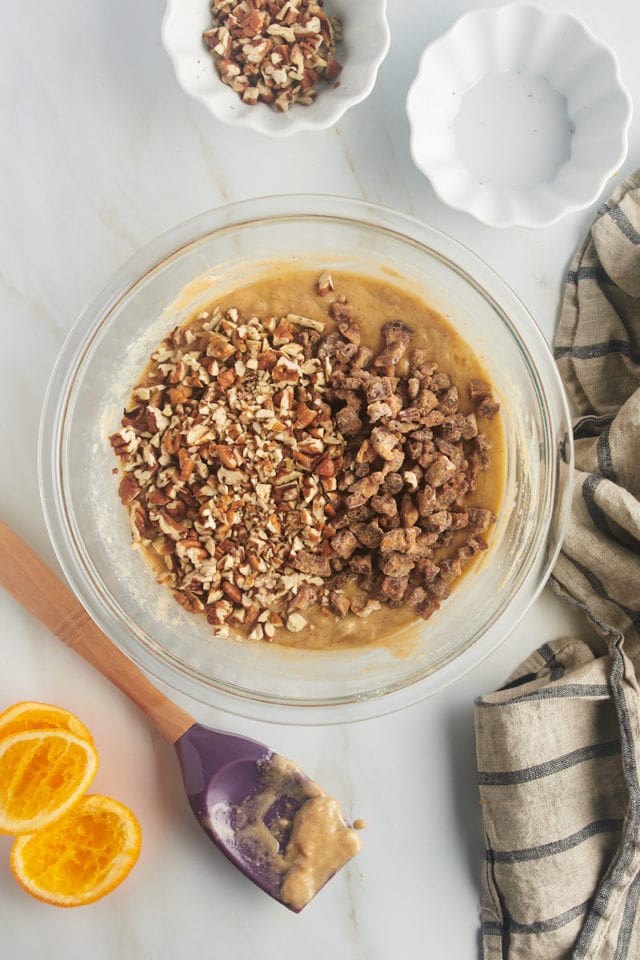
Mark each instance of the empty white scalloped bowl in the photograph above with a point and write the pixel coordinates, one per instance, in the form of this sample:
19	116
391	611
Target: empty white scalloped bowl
518	115
364	47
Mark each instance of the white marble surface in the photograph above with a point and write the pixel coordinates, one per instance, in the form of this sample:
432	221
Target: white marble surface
102	151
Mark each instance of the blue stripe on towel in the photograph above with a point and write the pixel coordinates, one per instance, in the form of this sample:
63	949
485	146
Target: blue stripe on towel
507	778
555	846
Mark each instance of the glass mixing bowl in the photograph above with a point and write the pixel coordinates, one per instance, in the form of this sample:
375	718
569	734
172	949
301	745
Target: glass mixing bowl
109	346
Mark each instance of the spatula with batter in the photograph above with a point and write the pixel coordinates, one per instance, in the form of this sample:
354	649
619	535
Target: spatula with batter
275	824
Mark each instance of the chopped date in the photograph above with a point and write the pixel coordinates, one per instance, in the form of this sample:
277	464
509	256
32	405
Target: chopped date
378	388
384	442
360	564
395	331
450	568
389	523
394	587
414	595
344	543
478	389
349	423
369	534
396	564
440	470
489	409
341	311
393	484
481	394
385	505
438	522
393	540
479	519
312	563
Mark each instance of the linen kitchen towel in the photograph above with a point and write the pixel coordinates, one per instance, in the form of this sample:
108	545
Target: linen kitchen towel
558	746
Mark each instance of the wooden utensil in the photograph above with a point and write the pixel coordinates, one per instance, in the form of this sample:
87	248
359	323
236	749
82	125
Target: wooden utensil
220	770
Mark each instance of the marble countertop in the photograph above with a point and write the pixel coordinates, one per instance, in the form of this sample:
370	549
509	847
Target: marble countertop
102	151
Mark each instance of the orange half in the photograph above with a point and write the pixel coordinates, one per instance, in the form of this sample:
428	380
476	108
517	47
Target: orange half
29	715
80	858
42	774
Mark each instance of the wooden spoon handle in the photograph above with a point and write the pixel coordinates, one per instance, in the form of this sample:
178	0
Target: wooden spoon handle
27	578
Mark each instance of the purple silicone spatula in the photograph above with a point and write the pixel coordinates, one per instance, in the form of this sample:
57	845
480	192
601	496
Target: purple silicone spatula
221	771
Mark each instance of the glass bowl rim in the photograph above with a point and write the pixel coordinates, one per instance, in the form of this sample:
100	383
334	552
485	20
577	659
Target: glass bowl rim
170	245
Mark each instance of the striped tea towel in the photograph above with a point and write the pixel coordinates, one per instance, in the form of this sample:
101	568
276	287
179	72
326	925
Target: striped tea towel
558	746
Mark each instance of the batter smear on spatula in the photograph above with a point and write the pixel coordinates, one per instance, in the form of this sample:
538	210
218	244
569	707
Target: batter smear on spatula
291	828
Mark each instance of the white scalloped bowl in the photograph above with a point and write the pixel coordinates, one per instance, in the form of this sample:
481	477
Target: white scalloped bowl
518	115
365	45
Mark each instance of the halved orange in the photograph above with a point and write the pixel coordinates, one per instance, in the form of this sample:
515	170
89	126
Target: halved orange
30	715
42	774
80	858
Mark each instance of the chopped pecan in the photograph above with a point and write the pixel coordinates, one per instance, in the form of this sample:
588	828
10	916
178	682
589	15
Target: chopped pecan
350	331
395	331
188	600
128	489
306	596
324	284
427	608
448	404
414	596
426	570
283	47
296	622
339	603
366	609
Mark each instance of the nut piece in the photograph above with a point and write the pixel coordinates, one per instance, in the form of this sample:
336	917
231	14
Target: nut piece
229	456
274	51
267	462
411	458
324	284
296	622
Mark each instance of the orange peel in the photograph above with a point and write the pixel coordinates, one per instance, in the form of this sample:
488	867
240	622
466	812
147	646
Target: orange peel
32	715
80	858
43	773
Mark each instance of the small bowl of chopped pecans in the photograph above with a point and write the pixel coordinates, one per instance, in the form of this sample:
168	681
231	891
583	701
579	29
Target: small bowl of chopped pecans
316	480
277	66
